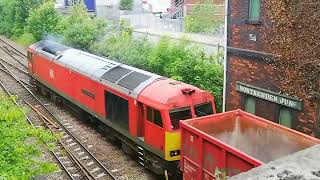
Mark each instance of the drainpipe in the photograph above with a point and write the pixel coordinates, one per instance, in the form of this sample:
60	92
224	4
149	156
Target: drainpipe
225	55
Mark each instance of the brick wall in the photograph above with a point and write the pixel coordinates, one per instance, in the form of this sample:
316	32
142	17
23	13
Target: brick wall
241	27
257	71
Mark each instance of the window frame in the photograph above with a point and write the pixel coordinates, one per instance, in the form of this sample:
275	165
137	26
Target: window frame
250	20
189	108
282	109
153	112
246	104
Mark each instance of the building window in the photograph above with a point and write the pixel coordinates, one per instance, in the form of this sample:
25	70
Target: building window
154	116
285	118
250	105
254	10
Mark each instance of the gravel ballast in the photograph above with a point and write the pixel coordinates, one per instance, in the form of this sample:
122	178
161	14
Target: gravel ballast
303	165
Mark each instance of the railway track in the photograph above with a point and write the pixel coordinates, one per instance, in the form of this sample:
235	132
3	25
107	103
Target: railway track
15	54
74	157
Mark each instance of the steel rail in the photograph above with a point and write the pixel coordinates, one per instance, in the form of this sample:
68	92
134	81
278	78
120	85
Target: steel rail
13	47
46	122
25	72
59	122
14	57
26	83
19	81
32	124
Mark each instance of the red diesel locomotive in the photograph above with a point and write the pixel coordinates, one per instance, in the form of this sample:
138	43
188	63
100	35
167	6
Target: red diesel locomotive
139	108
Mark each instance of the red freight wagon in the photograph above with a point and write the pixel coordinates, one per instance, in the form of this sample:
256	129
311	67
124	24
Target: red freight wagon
234	142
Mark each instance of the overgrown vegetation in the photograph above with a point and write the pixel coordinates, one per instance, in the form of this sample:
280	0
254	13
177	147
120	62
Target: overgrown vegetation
203	19
180	60
79	29
126	4
43	21
32	20
294	27
21	144
14	14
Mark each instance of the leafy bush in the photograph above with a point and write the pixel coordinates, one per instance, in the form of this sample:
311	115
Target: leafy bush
21	144
26	39
180	60
202	19
188	63
43	21
13	15
79	29
7	16
126	4
125	49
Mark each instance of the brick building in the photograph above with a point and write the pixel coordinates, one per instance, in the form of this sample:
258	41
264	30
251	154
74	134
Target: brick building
251	82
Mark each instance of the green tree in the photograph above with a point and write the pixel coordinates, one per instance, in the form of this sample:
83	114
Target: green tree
126	4
79	29
202	19
202	72
188	63
126	49
22	12
7	16
13	15
21	144
43	21
180	60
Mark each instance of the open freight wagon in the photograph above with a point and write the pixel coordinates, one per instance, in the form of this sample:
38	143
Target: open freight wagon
233	142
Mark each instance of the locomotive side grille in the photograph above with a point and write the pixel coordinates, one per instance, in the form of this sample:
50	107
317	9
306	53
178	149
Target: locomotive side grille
133	80
115	74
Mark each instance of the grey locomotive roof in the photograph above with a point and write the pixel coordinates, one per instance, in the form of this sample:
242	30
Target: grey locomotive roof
126	79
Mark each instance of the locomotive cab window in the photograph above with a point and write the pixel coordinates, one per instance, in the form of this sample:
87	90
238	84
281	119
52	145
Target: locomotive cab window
154	116
179	114
203	109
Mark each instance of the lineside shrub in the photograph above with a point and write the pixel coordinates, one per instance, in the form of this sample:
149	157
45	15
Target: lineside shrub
79	29
126	4
43	21
180	60
21	144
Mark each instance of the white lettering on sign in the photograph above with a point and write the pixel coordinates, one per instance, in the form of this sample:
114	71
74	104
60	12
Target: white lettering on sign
279	99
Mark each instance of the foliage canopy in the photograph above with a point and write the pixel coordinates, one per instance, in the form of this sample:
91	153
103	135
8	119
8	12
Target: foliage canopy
126	4
178	59
43	21
202	19
21	144
79	29
14	14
